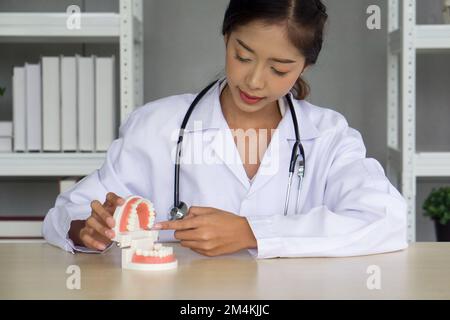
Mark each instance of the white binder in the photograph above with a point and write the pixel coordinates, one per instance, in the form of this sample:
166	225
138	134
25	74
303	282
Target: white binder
51	119
105	109
69	117
33	106
19	112
86	103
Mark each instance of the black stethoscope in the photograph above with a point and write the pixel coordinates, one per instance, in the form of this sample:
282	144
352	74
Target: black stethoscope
180	209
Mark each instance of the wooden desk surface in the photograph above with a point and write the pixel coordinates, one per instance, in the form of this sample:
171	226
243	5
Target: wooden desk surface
38	271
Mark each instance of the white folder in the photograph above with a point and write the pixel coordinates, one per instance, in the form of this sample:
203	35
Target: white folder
33	106
105	108
51	120
19	112
69	117
86	103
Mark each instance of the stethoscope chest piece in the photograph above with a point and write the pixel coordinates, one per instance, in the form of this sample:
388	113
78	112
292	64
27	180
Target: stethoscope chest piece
178	212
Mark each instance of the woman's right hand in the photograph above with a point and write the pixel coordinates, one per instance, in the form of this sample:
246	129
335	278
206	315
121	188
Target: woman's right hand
97	231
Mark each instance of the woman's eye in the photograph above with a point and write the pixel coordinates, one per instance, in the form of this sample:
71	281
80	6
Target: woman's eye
279	73
242	59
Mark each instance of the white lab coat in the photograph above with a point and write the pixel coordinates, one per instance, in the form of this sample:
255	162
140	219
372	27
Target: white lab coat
347	206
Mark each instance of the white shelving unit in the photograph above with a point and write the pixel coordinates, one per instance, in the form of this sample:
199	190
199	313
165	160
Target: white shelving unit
406	39
124	28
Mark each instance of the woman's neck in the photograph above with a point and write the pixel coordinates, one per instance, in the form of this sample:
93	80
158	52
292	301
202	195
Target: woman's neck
267	118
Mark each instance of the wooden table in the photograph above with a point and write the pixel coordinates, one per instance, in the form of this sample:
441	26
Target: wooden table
38	271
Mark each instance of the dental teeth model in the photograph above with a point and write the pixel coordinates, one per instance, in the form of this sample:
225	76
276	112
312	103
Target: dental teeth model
134	220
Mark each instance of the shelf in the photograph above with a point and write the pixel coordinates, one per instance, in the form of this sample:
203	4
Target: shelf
433	37
20	229
426	164
29	27
50	164
427	38
432	164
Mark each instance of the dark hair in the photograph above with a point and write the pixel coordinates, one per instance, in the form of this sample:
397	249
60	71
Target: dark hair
305	21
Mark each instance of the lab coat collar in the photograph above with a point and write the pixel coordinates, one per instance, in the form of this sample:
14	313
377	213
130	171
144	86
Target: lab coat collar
208	115
208	112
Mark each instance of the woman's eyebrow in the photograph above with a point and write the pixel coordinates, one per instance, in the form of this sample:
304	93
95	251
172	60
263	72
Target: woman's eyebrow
273	59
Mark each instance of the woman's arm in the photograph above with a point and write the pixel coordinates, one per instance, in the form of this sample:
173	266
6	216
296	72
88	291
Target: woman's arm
362	213
64	221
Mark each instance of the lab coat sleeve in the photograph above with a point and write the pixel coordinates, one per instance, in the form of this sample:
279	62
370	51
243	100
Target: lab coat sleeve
74	204
362	213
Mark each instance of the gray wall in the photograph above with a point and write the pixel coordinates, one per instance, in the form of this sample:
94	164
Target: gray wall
184	50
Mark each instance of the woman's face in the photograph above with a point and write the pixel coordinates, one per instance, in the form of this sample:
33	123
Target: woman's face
261	63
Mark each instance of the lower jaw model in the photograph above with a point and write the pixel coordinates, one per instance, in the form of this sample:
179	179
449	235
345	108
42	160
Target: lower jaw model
134	220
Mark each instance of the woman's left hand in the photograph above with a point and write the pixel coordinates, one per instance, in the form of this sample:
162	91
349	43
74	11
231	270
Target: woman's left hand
211	232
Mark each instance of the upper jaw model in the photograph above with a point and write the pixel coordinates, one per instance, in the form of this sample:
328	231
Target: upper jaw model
134	220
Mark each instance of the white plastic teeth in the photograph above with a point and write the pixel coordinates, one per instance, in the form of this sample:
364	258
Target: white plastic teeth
158	253
133	222
152	214
151	220
133	219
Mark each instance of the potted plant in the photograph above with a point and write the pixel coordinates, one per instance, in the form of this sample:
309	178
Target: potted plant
437	207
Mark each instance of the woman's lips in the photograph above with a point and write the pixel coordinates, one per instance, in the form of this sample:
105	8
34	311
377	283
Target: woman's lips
249	99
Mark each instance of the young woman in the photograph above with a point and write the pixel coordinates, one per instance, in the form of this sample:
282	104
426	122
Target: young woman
261	168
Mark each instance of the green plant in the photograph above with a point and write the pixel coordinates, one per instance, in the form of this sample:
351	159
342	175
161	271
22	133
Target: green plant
2	91
437	205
